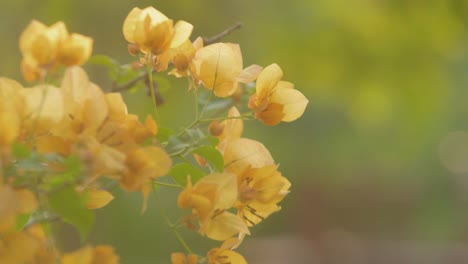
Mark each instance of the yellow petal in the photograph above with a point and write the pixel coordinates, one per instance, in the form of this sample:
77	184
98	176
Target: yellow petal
104	255
183	30
75	84
116	105
267	81
224	226
243	153
81	256
29	35
10	126
75	50
44	104
98	198
217	66
272	114
129	25
293	101
249	74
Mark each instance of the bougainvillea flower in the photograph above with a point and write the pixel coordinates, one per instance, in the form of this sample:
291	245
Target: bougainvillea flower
209	199
275	100
260	189
88	255
181	258
225	254
153	31
44	48
144	165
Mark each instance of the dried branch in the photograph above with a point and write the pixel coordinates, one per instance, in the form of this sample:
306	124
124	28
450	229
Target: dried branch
215	38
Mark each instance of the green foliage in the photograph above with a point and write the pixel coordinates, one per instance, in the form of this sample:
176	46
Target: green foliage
180	171
70	206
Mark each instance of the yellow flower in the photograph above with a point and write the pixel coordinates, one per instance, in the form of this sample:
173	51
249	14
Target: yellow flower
153	31
144	165
219	68
88	255
183	55
260	189
225	254
181	258
275	100
18	247
210	198
44	48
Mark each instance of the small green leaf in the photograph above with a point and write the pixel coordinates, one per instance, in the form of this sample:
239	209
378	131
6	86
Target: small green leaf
66	203
164	133
180	171
103	60
20	151
214	141
22	220
212	155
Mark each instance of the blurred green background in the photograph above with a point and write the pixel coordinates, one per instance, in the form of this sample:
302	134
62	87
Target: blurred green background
379	160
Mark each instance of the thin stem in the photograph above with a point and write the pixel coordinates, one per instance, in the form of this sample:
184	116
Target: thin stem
243	117
167	184
169	223
149	69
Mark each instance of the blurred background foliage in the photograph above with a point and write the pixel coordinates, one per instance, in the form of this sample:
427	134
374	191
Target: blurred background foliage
380	154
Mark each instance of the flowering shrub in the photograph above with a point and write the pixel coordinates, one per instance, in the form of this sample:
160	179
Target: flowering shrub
65	143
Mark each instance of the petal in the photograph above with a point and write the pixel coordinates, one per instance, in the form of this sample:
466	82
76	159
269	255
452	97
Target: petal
250	73
98	198
293	101
75	84
45	104
29	34
81	256
104	255
224	226
129	25
183	30
267	81
243	153
75	50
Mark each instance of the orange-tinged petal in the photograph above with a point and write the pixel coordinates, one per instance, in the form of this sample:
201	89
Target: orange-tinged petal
243	153
18	247
272	114
104	255
53	144
75	50
181	258
98	198
293	101
267	80
81	256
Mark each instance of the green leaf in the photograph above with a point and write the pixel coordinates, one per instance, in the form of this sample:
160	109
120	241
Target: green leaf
66	203
180	171
103	60
22	220
164	133
212	155
214	141
20	151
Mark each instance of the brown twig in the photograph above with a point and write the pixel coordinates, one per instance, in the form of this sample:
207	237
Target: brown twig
213	39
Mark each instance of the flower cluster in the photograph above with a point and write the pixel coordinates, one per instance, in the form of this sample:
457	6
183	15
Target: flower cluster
65	142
